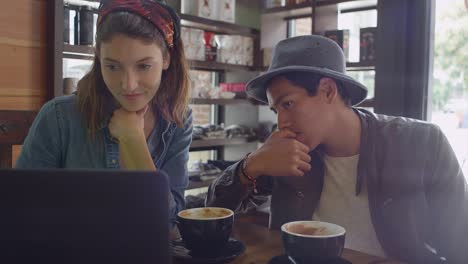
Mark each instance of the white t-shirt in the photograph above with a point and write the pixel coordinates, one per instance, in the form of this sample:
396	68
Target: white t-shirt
340	205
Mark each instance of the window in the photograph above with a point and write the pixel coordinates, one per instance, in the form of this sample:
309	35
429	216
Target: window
367	78
74	68
353	16
449	102
299	26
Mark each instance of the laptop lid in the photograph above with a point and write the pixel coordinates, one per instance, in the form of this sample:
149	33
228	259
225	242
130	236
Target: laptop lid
84	216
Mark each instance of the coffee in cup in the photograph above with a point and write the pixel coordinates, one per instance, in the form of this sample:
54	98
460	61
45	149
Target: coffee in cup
312	241
205	230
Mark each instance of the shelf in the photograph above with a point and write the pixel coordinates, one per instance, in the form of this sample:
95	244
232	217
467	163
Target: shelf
220	101
217	26
77	4
78	52
301	9
333	2
350	66
198	184
360	66
218	66
291	9
88	50
207	143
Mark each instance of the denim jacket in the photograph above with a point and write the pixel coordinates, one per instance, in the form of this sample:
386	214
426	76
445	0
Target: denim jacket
59	139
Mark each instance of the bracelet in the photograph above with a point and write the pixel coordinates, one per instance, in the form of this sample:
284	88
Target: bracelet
250	178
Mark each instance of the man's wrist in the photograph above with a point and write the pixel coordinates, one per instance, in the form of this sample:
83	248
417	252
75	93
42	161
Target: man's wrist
250	167
246	179
243	179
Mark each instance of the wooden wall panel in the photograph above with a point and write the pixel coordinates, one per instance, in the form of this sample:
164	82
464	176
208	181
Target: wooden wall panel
24	71
21	103
24	23
23	54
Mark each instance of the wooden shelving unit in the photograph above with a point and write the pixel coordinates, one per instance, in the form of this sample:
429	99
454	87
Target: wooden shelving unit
87	52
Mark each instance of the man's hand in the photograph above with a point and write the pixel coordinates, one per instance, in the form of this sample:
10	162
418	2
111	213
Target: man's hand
281	155
125	125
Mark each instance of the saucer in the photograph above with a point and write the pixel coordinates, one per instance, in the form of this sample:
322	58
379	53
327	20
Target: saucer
284	259
233	249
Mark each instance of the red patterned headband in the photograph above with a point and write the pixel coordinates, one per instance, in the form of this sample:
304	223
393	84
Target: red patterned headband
148	9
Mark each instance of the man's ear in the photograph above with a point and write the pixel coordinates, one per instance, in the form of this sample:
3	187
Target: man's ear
328	89
166	61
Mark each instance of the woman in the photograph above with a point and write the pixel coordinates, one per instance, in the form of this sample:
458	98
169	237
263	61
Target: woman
131	109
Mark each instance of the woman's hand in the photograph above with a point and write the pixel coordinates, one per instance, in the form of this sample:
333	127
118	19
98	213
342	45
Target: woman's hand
129	129
125	125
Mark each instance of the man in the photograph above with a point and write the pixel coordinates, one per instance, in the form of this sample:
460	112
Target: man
392	182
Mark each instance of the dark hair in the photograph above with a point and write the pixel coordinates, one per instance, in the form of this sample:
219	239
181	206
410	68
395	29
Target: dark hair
311	81
173	95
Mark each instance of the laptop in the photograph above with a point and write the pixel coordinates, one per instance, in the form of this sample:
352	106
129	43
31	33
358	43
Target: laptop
84	216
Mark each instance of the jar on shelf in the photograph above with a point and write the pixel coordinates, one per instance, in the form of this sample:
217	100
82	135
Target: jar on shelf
86	25
66	25
76	28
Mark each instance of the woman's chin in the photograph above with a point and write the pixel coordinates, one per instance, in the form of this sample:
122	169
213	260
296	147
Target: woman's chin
133	107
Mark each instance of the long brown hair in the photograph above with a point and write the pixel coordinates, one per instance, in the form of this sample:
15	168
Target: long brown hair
172	98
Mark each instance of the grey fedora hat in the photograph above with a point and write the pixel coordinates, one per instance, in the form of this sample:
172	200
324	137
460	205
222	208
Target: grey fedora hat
310	54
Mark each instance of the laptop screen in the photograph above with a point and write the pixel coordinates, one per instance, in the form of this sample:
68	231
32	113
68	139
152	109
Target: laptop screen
84	216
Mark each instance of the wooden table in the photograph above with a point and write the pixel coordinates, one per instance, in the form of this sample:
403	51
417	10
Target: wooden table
262	244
